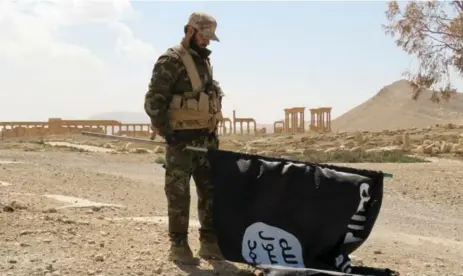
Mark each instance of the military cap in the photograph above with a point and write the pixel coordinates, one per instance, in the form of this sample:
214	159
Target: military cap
204	23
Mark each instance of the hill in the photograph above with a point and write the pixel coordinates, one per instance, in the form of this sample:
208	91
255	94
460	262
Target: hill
392	108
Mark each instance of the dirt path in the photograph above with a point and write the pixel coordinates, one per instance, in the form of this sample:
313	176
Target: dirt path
60	225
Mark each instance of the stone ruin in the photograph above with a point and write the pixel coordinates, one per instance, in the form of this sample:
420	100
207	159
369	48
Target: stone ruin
232	125
294	122
58	126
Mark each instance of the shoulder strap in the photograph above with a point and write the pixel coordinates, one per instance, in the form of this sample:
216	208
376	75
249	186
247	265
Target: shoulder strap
190	66
209	68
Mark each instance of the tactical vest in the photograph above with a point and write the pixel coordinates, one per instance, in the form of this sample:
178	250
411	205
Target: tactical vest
195	109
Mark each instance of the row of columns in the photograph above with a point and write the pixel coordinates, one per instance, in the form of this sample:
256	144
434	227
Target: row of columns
294	120
56	127
320	120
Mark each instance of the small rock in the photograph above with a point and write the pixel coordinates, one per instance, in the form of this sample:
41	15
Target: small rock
349	144
139	150
446	147
427	149
126	147
457	148
26	232
331	150
159	149
449	126
49	267
99	258
66	220
250	150
50	210
18	205
427	142
108	146
8	209
397	140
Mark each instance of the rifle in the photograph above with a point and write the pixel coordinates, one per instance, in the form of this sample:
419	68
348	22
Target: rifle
134	139
148	141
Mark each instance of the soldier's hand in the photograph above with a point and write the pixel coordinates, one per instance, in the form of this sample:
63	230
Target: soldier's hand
173	141
170	139
153	133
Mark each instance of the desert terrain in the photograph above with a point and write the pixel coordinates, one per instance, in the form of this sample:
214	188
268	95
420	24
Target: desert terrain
78	205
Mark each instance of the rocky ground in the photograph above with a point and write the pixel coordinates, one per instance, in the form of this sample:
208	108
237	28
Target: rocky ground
70	209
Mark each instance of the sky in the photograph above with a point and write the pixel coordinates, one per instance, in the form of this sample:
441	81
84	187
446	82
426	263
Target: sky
73	59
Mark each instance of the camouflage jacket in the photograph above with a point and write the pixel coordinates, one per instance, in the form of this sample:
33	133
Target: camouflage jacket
169	77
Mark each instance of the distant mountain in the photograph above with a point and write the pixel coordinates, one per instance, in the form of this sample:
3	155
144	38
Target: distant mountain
393	108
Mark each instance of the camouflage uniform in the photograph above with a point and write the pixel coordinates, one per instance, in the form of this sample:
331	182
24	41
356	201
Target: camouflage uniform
170	79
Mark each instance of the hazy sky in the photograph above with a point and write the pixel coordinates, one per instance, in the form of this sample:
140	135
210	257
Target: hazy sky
73	59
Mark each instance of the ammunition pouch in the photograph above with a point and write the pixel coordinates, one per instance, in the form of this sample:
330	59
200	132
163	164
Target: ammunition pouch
196	109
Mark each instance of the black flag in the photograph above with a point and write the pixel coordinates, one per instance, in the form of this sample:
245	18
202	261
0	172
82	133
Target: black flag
274	211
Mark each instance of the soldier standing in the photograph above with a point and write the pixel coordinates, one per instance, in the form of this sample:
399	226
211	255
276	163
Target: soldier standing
184	104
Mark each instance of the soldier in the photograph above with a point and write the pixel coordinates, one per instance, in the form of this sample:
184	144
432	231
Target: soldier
184	104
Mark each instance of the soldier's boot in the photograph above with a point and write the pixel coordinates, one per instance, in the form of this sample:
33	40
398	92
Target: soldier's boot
180	252
210	250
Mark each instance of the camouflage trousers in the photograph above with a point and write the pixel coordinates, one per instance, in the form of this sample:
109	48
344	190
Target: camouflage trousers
180	166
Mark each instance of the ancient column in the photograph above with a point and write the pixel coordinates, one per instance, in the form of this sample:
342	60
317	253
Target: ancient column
286	126
234	122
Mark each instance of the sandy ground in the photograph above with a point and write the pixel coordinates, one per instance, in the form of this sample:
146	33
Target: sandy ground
82	213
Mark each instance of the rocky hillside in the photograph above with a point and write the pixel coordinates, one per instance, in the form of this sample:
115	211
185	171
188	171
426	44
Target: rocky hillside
392	108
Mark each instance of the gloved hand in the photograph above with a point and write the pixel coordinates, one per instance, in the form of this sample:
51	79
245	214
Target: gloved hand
173	140
169	139
214	139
